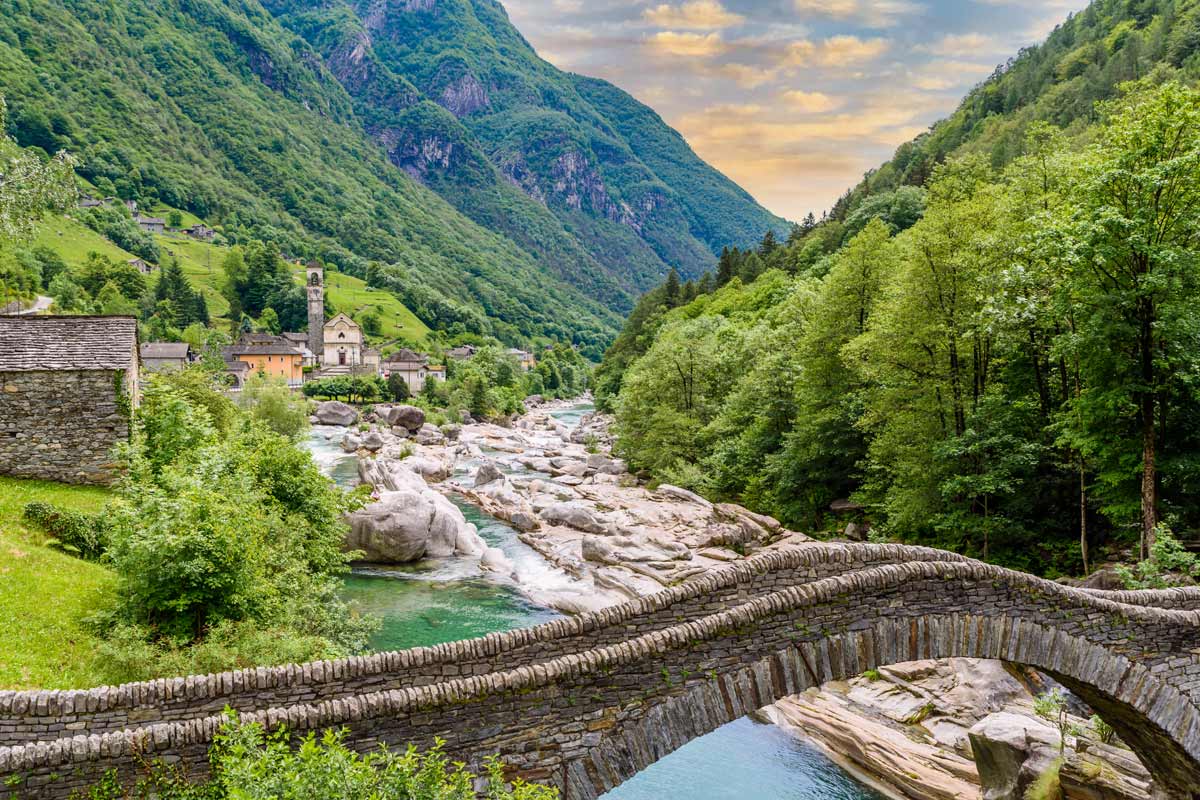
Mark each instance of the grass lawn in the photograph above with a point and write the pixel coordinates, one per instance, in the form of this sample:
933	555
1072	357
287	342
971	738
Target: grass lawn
352	296
73	240
44	594
201	263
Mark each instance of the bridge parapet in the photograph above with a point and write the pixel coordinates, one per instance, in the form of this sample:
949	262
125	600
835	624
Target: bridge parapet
590	719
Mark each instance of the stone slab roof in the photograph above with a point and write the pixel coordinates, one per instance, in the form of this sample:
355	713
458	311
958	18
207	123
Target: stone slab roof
178	350
276	349
37	343
406	356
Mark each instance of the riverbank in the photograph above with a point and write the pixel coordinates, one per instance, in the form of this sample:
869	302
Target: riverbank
907	729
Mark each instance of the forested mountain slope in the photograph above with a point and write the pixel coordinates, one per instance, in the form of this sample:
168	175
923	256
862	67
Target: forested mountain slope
339	136
573	169
990	345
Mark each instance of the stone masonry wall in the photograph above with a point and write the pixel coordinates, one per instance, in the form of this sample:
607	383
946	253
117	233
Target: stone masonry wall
589	720
61	425
32	716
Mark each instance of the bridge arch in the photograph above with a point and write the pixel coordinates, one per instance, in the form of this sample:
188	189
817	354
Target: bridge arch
592	715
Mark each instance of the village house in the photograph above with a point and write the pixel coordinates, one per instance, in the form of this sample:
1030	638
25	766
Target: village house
237	371
166	356
343	340
68	387
270	355
300	340
523	357
140	265
413	367
201	232
151	224
461	353
86	201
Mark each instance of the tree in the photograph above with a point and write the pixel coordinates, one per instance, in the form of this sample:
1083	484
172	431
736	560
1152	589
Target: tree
30	186
1133	274
398	387
175	219
270	401
268	321
372	325
768	245
671	293
726	266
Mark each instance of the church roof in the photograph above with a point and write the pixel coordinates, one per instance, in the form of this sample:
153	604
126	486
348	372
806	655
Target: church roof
341	316
57	343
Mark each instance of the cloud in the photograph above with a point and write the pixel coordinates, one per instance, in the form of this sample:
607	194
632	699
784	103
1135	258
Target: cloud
811	102
836	51
690	45
695	15
747	76
964	45
871	13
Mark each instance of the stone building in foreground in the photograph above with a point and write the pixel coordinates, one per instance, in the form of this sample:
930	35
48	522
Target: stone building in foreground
67	388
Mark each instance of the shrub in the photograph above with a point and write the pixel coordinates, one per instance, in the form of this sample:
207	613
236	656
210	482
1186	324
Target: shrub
1169	564
73	532
251	764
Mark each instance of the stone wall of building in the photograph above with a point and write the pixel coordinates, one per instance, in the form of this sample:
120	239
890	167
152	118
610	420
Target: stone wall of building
589	719
63	425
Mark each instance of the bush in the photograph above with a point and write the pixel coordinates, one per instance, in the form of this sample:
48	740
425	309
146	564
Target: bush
1169	565
270	401
73	532
251	764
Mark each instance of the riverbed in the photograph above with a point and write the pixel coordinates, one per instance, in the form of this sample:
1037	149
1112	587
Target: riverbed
449	599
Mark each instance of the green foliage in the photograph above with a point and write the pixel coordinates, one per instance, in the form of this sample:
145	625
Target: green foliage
1048	785
1103	731
354	389
225	539
249	763
270	401
1052	707
398	387
1010	375
1169	564
74	532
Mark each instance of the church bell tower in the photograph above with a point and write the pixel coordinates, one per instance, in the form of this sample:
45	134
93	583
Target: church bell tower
315	282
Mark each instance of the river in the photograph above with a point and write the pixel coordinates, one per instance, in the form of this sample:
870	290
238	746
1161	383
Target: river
450	599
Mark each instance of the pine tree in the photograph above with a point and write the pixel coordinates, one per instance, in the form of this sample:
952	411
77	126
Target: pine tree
688	293
672	296
769	245
706	284
726	266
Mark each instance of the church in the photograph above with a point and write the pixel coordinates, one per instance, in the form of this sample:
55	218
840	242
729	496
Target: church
338	343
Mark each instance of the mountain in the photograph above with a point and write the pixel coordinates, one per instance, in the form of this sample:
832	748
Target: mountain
420	144
571	168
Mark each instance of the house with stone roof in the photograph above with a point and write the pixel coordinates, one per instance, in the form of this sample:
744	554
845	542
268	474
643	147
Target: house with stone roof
165	356
68	387
413	367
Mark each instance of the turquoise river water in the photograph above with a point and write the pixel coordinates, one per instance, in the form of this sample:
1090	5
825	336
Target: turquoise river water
442	601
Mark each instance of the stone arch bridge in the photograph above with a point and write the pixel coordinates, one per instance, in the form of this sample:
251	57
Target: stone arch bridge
586	702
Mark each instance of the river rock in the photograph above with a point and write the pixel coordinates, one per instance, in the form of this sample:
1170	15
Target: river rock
350	443
410	418
333	412
679	493
574	514
429	435
451	431
428	467
408	525
493	559
487	472
1011	752
372	441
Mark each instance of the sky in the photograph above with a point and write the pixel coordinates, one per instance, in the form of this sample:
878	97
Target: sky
793	99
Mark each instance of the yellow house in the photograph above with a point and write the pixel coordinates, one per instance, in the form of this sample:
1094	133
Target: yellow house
277	359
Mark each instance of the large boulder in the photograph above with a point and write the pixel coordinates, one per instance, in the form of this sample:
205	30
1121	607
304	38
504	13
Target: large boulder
1011	751
409	521
373	441
429	435
410	418
333	412
350	443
